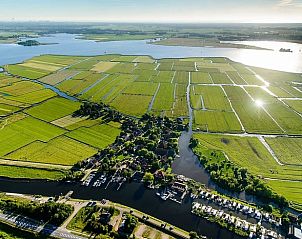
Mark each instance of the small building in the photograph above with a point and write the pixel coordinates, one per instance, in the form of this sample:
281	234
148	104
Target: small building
179	186
295	231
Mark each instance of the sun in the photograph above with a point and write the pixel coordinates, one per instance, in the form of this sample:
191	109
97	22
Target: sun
259	103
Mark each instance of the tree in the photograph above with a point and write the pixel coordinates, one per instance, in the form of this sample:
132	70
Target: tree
148	177
193	235
130	223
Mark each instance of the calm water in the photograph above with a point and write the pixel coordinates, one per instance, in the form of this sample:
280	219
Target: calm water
69	45
134	195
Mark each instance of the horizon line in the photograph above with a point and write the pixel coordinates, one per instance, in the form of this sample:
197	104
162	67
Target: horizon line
146	22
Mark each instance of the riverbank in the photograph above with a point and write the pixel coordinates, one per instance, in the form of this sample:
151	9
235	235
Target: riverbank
133	195
202	42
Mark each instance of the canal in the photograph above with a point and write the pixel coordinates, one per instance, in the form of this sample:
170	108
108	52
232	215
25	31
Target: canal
134	195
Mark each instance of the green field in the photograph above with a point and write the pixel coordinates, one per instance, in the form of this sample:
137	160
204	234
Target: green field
144	59
20	88
27	72
53	109
288	150
141	88
33	97
211	121
253	117
295	104
61	150
291	190
7	80
30	173
220	78
201	78
213	97
249	152
98	136
25	131
7	109
136	105
164	98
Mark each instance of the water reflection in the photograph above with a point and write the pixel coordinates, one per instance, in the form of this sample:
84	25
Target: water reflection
69	45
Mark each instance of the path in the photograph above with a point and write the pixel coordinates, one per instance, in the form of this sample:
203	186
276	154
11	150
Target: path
270	150
283	180
77	206
5	123
237	116
153	98
11	162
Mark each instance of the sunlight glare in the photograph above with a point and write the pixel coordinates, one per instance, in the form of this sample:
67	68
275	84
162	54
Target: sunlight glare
259	103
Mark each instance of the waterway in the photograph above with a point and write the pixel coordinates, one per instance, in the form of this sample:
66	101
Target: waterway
134	195
68	44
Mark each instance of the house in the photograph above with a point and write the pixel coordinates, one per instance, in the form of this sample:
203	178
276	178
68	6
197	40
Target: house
295	231
179	186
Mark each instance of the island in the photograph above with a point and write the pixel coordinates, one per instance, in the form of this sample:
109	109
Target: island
285	50
29	43
33	43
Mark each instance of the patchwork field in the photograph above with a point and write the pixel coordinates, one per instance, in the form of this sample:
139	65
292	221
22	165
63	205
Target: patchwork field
25	131
61	150
226	97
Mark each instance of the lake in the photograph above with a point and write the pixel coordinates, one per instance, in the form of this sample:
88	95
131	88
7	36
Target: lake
68	44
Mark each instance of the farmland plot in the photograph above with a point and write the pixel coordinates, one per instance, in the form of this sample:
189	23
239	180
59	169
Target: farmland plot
58	77
61	150
164	98
132	104
53	109
216	121
288	150
201	78
98	136
27	72
253	117
213	97
220	78
25	131
141	88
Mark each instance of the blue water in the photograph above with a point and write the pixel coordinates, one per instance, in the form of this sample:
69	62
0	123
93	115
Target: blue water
67	44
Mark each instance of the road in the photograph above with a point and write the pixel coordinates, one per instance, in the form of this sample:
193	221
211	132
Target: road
28	224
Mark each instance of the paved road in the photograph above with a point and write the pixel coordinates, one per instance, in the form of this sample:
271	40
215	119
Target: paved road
34	226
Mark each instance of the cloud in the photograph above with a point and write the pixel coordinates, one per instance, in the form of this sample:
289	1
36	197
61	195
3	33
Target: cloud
289	3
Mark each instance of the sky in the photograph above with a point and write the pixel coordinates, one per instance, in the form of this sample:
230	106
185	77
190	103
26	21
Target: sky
198	11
